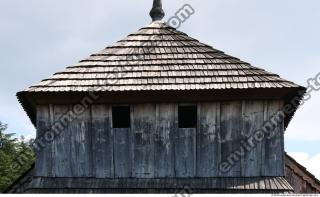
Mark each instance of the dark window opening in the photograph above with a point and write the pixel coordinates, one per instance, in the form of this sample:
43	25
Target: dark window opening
187	116
121	117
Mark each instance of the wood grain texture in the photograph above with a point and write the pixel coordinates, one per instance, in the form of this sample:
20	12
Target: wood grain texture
122	153
81	146
164	141
208	146
230	136
61	152
43	153
154	147
102	142
273	159
252	121
144	123
185	152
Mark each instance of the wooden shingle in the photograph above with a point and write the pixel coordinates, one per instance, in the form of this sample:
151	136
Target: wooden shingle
159	57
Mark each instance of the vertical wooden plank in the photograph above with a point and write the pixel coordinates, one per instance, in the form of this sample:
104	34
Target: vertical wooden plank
207	141
252	115
81	157
219	151
273	145
230	136
131	139
185	150
282	164
164	141
61	144
102	142
144	130
43	165
263	152
185	145
122	153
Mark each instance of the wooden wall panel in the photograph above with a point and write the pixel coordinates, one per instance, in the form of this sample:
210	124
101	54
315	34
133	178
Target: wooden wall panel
208	146
81	147
43	153
252	114
143	140
273	146
122	153
154	146
164	141
185	153
61	145
102	142
230	136
185	150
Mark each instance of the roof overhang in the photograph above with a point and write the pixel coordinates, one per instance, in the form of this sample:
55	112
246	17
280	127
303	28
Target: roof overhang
29	100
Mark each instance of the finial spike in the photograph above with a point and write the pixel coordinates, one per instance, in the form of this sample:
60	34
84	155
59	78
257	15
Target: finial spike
157	12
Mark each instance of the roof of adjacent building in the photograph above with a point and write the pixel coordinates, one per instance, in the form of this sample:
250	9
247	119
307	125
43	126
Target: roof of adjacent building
300	178
159	57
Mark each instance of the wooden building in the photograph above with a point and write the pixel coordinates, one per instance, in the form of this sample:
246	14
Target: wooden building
301	180
158	112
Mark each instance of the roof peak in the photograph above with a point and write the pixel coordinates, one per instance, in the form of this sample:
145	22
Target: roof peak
157	12
157	25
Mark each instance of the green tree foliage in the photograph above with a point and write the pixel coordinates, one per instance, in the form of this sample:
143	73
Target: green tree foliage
11	149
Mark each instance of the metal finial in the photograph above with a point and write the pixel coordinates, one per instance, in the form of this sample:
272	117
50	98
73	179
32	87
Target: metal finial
157	12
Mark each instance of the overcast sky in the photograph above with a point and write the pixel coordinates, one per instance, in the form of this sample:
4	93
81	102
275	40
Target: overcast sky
40	37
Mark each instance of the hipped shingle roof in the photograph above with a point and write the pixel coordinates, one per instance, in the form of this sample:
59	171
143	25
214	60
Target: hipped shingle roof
159	57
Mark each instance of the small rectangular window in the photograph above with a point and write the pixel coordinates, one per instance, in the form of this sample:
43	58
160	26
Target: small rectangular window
187	116
121	117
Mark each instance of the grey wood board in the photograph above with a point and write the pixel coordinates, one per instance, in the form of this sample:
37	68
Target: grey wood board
61	148
81	145
164	141
230	136
208	146
122	153
252	122
144	123
102	142
43	152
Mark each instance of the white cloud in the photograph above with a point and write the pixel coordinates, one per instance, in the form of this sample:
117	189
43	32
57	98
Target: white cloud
29	137
311	163
305	124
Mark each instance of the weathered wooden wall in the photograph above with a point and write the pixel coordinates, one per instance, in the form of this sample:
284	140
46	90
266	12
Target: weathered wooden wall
154	146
